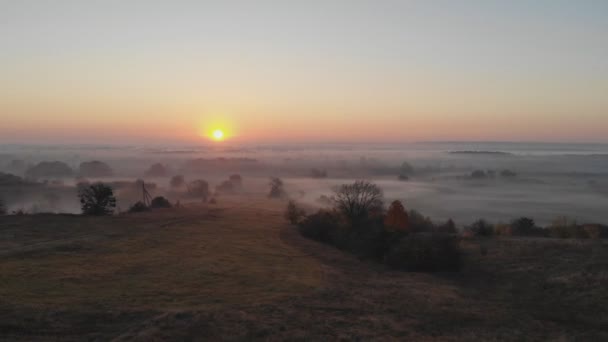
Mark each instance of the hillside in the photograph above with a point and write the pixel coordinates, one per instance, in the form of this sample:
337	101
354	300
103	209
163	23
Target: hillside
237	271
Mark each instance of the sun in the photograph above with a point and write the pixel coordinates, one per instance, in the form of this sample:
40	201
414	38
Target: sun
218	135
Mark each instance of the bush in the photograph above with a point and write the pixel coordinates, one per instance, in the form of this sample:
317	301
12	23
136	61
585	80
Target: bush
508	174
525	226
293	214
237	181
95	168
478	174
199	188
97	199
449	227
419	223
138	207
425	252
160	202
157	170
481	228
177	181
564	228
323	226
316	173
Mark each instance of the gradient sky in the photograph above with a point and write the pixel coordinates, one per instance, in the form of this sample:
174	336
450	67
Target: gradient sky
385	71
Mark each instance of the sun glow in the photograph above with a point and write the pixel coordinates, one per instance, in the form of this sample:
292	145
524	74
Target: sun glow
218	135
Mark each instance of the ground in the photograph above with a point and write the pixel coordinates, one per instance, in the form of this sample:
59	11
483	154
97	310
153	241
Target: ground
238	271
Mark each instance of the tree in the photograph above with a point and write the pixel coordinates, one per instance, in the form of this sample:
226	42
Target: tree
276	188
156	170
2	208
97	199
294	214
236	180
160	202
356	200
523	226
199	188
396	217
95	168
177	181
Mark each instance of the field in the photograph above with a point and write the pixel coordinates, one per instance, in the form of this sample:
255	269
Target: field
238	271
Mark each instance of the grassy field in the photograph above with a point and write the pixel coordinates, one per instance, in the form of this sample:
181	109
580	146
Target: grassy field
237	271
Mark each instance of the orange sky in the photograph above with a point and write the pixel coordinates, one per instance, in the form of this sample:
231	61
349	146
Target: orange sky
319	71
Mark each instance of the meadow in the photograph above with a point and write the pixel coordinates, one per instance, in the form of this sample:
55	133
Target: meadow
238	270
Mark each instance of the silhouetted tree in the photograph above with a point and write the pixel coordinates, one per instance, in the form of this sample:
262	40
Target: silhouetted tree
508	174
97	199
2	207
138	207
358	199
523	226
95	169
478	174
294	214
177	181
396	218
276	188
316	173
49	169
160	202
199	188
157	170
481	228
237	181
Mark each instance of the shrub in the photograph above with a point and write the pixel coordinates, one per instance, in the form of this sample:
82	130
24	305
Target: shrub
396	217
157	170
293	214
502	229
97	199
425	252
406	169
564	228
95	168
276	188
323	226
481	228
478	174
316	173
199	188
595	231
177	181
508	174
526	227
357	200
236	180
160	202
403	178
449	227
226	187
138	207
419	223
49	169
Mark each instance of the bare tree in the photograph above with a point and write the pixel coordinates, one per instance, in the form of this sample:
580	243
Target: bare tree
356	200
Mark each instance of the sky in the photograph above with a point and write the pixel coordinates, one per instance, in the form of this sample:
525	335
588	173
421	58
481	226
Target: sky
303	71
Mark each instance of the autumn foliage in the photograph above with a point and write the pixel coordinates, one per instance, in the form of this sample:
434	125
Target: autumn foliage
396	218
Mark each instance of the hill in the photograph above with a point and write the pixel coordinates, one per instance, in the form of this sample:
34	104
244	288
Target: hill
237	271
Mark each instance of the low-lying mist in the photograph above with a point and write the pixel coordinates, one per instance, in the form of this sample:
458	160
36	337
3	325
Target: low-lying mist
498	182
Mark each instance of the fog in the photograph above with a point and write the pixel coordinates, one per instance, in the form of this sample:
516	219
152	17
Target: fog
543	181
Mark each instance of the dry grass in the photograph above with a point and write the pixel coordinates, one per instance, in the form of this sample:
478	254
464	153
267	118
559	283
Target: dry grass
236	271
